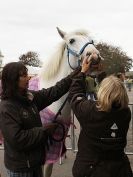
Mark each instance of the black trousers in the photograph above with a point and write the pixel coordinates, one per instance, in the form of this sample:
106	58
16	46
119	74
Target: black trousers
103	168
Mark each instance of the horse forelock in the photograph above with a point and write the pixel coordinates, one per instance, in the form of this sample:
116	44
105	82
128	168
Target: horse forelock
50	69
80	32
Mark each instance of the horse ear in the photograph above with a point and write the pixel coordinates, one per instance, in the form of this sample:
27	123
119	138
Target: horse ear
61	33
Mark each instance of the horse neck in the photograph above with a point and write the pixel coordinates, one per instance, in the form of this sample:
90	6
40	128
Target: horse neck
63	71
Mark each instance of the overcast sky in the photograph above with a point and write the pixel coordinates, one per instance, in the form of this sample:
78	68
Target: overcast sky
30	25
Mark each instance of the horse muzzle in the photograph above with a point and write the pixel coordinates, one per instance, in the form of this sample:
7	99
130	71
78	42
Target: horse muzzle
95	66
95	59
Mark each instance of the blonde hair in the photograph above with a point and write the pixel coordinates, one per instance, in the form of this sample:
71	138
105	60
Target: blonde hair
111	91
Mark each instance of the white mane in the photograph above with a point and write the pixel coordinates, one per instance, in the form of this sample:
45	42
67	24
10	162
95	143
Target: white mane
51	69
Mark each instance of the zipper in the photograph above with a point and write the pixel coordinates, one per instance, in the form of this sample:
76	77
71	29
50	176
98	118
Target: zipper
33	110
28	163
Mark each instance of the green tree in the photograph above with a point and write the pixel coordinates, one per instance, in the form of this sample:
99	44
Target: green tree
30	58
115	60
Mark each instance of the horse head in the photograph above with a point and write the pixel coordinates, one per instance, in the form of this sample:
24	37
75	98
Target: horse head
79	45
69	54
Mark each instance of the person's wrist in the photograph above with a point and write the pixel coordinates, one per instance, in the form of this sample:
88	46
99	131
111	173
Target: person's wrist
83	71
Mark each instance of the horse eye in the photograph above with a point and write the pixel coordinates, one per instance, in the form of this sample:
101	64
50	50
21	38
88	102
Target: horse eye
71	41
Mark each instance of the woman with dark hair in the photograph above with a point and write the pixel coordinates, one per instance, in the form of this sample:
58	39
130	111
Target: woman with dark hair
25	139
104	126
11	75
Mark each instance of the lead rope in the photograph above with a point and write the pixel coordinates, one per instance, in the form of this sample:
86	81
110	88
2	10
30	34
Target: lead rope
61	138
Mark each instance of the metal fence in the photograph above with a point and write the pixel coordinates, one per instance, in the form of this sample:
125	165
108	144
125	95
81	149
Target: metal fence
129	147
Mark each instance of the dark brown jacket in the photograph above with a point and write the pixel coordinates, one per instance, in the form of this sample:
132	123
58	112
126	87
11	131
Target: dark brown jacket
24	136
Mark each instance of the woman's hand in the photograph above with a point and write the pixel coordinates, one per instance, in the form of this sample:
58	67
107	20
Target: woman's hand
86	63
50	127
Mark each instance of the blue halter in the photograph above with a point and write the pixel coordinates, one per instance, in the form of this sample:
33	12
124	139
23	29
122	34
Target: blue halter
72	52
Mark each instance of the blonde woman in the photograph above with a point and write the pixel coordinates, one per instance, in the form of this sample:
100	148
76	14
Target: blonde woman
104	123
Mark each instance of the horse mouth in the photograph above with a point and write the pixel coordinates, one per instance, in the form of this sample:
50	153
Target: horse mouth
95	61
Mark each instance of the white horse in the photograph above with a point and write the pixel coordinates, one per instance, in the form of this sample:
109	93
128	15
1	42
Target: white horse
66	58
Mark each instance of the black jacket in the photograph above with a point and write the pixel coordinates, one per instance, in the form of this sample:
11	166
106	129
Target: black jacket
24	136
103	134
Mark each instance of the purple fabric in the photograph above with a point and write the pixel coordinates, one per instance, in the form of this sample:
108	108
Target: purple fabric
57	149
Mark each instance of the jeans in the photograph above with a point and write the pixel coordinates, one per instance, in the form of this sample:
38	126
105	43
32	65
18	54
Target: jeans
37	172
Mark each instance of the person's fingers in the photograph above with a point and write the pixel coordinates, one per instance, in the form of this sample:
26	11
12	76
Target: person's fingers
90	57
51	125
85	60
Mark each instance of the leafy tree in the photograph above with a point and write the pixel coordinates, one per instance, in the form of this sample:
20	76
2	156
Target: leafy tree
31	59
115	60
